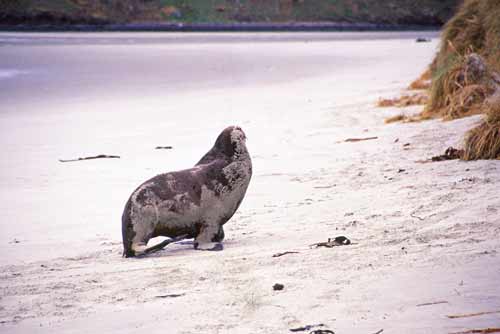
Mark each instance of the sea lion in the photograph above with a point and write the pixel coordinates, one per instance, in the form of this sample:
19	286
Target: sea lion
191	203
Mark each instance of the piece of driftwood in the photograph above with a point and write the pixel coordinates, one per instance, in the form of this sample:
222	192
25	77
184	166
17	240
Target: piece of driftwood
172	295
471	314
284	253
163	147
479	331
414	216
305	328
325	187
100	156
353	140
380	331
433	303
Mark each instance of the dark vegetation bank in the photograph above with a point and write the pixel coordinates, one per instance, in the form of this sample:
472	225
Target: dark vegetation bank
226	12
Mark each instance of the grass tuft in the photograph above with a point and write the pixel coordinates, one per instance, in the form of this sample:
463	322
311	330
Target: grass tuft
470	41
483	142
423	82
404	101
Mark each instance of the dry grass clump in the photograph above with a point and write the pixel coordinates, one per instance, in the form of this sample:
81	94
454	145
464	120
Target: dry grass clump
468	57
397	118
465	75
404	101
403	118
423	82
460	89
483	142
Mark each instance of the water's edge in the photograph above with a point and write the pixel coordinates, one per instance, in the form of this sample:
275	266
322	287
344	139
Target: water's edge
216	27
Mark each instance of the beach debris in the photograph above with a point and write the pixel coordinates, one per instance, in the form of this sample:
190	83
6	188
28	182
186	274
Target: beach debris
419	98
306	328
14	241
406	145
471	314
163	147
396	118
171	295
353	140
415	216
332	242
284	253
100	156
325	187
423	82
322	331
278	287
422	40
451	153
378	332
433	303
479	331
401	170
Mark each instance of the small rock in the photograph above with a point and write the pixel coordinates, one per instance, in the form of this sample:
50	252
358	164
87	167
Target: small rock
278	287
422	40
475	67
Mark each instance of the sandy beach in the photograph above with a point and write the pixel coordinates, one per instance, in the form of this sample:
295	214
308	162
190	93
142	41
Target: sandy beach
424	235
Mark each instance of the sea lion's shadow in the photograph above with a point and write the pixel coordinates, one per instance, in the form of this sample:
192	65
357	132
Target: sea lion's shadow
184	247
185	242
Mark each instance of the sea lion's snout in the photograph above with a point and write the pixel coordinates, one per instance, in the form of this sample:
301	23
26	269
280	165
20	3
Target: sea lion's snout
238	140
238	135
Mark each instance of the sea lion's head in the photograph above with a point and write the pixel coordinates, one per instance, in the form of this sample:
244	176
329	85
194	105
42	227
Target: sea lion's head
232	142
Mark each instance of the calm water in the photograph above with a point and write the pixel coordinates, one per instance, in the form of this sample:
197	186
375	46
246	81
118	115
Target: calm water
54	69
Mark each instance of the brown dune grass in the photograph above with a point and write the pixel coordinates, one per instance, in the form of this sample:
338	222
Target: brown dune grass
465	75
423	82
397	118
483	142
475	28
403	118
404	101
460	89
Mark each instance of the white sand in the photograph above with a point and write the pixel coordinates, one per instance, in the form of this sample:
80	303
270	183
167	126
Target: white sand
426	234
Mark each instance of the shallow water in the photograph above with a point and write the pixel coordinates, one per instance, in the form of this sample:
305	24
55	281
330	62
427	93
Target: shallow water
70	95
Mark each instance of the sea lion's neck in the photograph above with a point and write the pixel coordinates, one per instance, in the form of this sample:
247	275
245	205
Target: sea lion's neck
241	154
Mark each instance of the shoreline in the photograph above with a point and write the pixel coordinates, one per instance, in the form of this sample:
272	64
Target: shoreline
214	27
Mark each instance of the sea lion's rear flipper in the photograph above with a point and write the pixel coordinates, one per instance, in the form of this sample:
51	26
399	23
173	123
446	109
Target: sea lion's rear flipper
141	251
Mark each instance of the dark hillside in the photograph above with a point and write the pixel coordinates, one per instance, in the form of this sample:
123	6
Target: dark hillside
401	12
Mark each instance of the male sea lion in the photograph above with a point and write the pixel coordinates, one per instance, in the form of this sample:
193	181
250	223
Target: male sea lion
191	203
